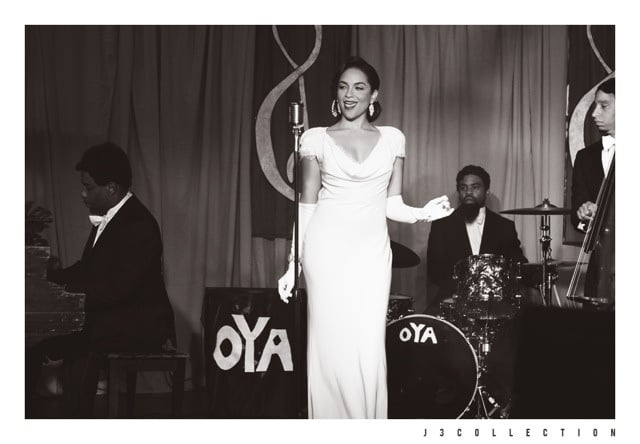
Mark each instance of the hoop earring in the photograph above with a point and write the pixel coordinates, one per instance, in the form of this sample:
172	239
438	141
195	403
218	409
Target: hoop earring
335	108
371	109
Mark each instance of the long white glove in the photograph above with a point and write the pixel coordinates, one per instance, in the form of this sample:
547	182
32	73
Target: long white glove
434	209
285	283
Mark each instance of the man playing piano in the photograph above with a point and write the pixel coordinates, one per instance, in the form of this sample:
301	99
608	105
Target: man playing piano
127	307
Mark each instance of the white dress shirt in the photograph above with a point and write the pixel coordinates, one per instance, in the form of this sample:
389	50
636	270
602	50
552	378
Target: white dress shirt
102	221
475	229
608	150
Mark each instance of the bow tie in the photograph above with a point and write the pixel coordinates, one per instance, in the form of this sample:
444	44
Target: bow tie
97	220
608	142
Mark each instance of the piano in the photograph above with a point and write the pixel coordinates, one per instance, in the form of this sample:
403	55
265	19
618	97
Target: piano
50	310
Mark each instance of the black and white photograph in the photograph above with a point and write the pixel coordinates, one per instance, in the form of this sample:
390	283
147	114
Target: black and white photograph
240	228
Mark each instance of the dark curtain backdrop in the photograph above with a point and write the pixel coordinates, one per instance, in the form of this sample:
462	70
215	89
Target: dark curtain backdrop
181	100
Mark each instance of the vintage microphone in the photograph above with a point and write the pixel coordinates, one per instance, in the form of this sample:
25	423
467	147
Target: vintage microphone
296	119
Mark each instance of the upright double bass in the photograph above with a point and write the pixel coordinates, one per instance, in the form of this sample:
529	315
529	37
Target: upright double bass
599	243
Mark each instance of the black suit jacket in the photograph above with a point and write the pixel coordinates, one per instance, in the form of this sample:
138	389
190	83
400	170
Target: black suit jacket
127	306
449	243
587	177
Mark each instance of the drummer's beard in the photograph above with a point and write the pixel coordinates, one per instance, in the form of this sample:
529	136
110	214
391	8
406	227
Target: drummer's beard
470	210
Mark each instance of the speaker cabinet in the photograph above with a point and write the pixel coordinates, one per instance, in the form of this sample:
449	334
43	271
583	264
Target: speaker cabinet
255	354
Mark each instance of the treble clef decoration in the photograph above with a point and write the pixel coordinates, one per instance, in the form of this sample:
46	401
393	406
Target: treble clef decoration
264	147
578	117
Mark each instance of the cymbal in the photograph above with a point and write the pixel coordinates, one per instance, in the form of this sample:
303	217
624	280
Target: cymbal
403	257
544	208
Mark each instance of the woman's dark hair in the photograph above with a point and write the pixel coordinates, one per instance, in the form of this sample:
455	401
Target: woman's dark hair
106	163
476	171
608	86
372	77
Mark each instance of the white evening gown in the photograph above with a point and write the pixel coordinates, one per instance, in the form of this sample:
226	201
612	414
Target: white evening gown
347	267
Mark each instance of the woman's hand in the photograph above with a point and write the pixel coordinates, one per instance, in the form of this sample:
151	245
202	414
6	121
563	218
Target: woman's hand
285	284
437	209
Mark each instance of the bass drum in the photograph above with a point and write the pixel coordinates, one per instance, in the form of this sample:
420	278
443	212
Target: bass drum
432	369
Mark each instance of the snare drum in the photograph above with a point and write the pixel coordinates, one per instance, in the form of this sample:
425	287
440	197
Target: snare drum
432	368
399	306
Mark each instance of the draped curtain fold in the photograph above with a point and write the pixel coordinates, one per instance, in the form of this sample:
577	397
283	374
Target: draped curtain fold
179	100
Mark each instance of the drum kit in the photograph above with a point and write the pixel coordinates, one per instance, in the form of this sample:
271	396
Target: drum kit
449	365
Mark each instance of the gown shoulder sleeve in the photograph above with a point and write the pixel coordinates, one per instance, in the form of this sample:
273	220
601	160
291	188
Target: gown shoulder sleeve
312	142
397	141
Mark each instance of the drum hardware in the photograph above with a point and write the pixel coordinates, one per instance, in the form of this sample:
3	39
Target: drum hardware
517	299
480	330
548	279
544	210
488	406
531	276
482	336
449	312
448	307
487	296
399	307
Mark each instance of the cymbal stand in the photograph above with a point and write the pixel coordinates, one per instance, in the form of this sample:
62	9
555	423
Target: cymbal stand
548	277
486	405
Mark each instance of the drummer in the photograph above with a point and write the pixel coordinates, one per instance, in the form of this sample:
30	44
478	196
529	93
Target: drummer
470	230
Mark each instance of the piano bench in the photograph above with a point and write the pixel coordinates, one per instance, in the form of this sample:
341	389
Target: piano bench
132	363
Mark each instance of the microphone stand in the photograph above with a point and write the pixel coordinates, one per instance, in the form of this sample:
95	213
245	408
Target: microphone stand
295	111
296	120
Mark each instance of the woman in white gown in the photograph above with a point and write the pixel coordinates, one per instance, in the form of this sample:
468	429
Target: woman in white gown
351	182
